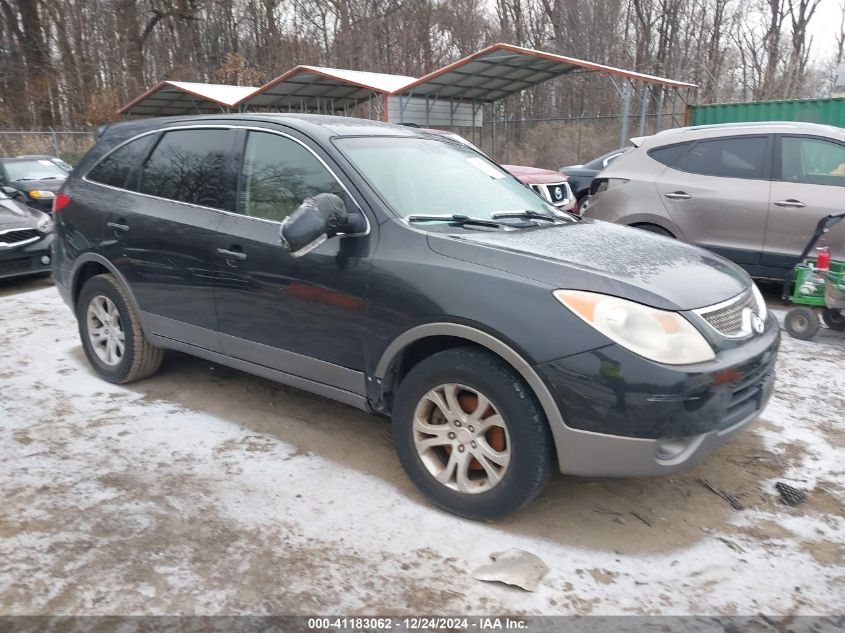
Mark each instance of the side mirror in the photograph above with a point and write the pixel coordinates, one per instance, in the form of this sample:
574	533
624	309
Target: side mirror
14	194
316	220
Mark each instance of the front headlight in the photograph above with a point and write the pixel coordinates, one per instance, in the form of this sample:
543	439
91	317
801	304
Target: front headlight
40	194
44	224
659	335
762	308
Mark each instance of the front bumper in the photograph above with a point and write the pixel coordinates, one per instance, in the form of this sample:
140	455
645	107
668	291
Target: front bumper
626	416
27	260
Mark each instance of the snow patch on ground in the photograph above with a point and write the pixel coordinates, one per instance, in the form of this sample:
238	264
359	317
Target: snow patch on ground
209	491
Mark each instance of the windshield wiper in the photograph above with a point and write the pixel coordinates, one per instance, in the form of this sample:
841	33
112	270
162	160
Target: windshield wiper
536	215
454	218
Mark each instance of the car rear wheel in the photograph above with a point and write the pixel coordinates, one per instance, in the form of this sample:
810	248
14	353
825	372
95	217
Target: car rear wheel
471	435
111	332
801	323
834	319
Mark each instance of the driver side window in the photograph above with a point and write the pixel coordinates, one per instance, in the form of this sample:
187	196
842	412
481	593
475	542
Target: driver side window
812	161
277	175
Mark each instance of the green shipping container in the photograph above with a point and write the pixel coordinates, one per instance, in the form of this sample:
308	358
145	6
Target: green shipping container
827	111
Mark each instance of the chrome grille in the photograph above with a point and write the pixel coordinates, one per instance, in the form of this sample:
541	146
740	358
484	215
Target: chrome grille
17	237
727	319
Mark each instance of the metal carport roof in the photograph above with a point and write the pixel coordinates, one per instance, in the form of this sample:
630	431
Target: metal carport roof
329	89
185	97
501	70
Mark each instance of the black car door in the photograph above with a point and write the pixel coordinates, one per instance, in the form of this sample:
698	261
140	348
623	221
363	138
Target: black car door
163	235
303	316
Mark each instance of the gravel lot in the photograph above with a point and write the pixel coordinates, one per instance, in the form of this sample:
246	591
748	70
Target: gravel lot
206	490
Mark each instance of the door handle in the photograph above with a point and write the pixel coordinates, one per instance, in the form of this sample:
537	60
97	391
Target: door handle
118	227
239	255
791	203
678	195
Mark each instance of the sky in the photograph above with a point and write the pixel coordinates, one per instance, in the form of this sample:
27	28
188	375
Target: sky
824	28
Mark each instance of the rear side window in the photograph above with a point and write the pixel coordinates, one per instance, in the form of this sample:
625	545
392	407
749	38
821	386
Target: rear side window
812	161
190	166
115	168
278	174
669	154
742	157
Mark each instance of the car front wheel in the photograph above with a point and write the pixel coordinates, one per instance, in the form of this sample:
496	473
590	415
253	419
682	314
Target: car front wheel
111	332
471	435
584	204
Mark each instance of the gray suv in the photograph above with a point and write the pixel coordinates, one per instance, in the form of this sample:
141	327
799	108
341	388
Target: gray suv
751	192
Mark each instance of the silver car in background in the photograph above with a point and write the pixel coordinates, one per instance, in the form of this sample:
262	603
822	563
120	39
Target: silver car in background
752	192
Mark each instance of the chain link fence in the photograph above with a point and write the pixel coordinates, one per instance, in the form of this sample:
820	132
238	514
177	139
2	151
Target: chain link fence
551	143
69	146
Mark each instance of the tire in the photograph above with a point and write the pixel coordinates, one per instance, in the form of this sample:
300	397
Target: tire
524	434
653	228
137	359
834	319
801	323
584	204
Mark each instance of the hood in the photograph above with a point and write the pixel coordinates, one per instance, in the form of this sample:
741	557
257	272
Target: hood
606	258
578	170
51	184
535	175
14	215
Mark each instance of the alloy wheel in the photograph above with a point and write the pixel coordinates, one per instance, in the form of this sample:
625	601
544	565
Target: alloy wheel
461	438
105	330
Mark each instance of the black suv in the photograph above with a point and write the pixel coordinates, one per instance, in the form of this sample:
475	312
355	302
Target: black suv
406	274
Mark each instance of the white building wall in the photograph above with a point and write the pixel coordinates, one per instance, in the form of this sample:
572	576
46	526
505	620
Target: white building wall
440	113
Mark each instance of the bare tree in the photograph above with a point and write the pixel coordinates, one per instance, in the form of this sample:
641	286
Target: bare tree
67	62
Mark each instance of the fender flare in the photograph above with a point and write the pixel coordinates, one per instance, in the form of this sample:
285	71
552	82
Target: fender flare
511	356
657	220
88	258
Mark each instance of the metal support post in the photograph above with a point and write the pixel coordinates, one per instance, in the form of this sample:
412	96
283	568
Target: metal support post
658	120
626	109
643	109
493	129
674	99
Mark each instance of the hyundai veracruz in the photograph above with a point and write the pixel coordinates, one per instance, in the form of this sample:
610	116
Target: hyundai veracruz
408	275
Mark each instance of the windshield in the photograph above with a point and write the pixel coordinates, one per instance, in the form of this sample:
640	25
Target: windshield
419	176
34	170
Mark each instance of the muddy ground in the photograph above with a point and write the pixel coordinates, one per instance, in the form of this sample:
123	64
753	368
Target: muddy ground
206	490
